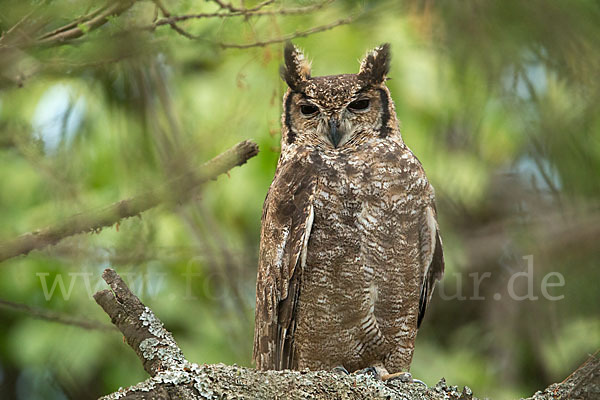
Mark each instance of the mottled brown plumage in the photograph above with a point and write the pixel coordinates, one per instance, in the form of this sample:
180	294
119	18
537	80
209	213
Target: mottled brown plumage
350	249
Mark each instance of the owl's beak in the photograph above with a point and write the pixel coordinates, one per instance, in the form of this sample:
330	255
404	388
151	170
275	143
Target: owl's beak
334	132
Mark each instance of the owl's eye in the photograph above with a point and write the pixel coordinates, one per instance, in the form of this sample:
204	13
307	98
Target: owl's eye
359	105
308	109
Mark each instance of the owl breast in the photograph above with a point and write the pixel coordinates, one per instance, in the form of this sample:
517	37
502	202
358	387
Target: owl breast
360	281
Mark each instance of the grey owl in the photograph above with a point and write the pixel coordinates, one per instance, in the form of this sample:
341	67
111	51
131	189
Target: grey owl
350	248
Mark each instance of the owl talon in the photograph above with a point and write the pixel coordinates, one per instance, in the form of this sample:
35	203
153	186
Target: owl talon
420	382
340	370
371	371
404	377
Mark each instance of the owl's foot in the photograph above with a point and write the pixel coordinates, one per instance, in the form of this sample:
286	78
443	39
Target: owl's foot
379	372
340	370
376	371
404	377
371	371
401	376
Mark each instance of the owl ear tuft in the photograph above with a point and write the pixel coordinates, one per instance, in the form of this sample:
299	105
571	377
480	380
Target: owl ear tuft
296	70
376	65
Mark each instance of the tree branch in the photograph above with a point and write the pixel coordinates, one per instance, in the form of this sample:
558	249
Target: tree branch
152	343
85	24
178	189
241	12
285	38
174	377
173	25
54	316
583	383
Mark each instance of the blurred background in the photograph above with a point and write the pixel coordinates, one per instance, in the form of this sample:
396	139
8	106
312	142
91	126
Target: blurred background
102	101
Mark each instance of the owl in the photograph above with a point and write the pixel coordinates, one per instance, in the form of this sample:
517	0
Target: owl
350	248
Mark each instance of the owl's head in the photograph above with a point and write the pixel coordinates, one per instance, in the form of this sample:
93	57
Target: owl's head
337	111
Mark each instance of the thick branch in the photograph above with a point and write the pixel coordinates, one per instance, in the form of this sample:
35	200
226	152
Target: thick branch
220	381
583	383
143	331
178	189
173	377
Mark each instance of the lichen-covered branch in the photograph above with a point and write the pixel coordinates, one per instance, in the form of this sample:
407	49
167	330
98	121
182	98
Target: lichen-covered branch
583	383
173	377
153	344
178	189
220	381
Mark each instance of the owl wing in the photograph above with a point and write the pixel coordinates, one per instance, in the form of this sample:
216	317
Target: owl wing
286	224
432	257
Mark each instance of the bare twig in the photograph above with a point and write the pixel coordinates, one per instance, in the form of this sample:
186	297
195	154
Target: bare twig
73	24
54	316
173	24
291	36
21	22
226	6
79	28
183	32
251	12
260	6
291	10
230	7
92	221
537	145
542	170
17	38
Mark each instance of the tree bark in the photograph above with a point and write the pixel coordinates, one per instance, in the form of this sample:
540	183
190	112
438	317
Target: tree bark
583	383
174	377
